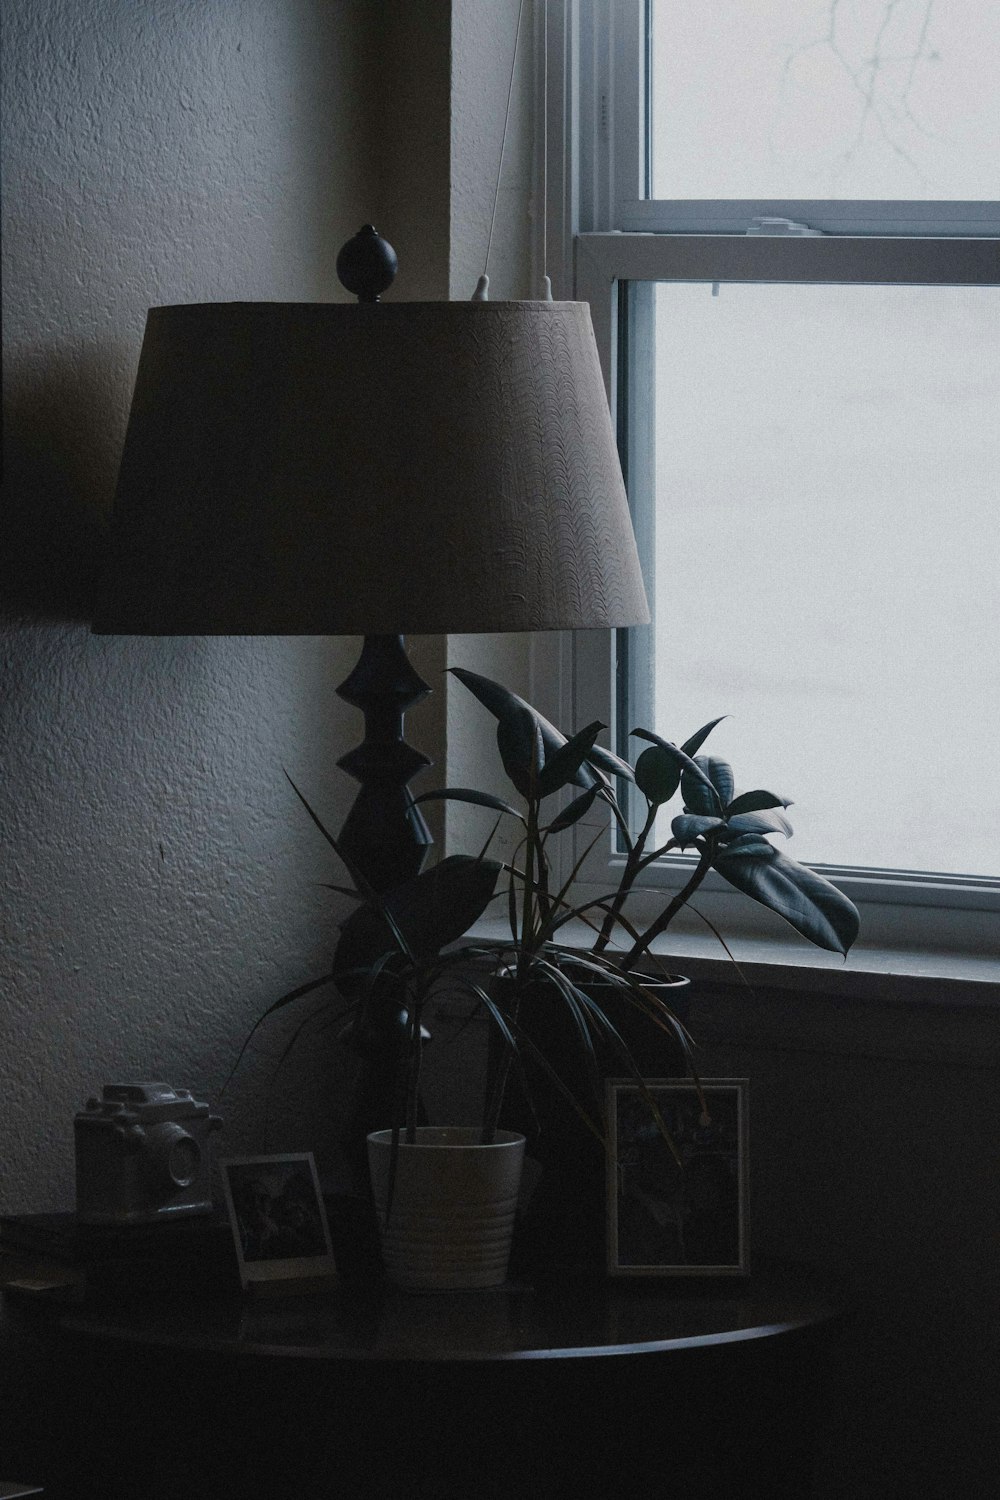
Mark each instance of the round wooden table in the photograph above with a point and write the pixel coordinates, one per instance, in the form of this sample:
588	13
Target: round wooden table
568	1389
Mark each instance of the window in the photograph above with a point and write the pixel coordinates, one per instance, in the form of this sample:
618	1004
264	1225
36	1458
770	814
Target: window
785	222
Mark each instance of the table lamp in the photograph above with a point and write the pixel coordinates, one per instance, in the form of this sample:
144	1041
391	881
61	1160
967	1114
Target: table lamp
374	469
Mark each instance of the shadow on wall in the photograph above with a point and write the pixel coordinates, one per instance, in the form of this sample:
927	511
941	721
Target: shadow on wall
60	456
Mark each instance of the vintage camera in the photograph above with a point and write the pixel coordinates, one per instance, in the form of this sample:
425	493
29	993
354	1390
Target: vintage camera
143	1154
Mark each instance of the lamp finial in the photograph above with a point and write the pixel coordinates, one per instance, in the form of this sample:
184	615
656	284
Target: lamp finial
367	264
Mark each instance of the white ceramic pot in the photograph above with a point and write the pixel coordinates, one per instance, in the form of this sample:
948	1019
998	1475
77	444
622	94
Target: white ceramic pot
452	1212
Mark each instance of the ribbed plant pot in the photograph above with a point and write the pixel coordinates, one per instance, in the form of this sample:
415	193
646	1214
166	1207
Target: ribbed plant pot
451	1219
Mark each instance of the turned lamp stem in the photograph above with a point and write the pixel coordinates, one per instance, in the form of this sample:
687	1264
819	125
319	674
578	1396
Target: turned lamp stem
384	834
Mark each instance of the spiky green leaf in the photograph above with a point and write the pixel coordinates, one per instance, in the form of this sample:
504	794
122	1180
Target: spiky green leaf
467	794
562	766
525	738
522	747
429	912
356	874
576	810
611	764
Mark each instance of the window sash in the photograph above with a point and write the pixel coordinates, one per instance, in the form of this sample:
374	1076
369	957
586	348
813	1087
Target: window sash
603	259
605	264
603	232
614	107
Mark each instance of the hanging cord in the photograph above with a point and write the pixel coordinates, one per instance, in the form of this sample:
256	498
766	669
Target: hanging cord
546	283
482	292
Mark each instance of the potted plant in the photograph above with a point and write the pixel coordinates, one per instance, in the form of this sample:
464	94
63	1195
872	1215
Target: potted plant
729	830
445	1196
550	991
562	1016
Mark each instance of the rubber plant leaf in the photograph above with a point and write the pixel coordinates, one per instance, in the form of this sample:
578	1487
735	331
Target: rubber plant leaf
715	773
758	801
806	900
694	744
771	821
753	844
661	768
687	827
657	775
681	759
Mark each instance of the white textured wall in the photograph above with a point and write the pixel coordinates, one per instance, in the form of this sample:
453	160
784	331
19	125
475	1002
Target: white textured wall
483	55
157	879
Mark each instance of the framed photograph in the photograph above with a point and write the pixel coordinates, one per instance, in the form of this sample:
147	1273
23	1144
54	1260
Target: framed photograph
670	1217
278	1219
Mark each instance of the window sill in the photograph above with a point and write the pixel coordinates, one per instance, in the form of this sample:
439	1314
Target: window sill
929	1011
869	973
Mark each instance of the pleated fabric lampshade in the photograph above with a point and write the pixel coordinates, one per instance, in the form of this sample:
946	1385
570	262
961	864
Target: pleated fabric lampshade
370	468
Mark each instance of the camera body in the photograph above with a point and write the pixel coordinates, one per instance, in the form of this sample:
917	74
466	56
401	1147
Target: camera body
143	1154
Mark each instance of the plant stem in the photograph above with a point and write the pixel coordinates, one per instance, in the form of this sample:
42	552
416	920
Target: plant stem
620	819
527	908
498	1085
413	1085
667	915
632	866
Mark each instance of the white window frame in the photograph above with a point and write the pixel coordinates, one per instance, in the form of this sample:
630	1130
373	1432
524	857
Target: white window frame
601	232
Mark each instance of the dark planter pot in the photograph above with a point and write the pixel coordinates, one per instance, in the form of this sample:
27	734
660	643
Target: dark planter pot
562	1224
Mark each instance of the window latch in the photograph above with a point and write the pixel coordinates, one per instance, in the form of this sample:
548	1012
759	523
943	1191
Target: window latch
781	226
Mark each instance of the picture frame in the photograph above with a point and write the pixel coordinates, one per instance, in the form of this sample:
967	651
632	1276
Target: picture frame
278	1220
662	1220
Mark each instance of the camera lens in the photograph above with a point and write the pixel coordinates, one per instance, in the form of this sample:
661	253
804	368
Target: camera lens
174	1157
182	1163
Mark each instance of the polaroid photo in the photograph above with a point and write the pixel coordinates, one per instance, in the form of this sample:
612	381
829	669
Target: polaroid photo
278	1219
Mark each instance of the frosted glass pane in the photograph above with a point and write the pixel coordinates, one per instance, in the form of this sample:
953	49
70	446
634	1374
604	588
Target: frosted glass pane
827	558
883	99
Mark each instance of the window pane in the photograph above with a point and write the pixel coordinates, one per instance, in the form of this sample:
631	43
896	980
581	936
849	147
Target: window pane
827	557
831	99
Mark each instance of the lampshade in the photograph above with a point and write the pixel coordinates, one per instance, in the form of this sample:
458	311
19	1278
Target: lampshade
371	468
